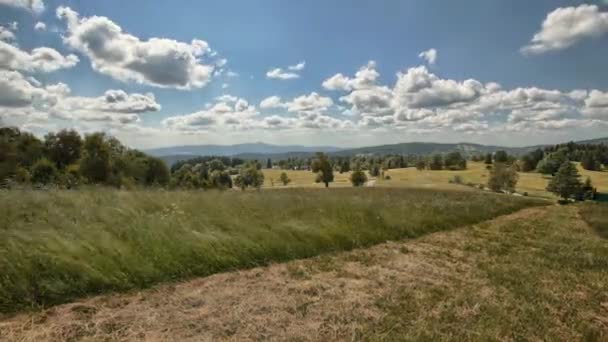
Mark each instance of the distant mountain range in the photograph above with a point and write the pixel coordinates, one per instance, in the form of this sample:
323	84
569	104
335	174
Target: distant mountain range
261	151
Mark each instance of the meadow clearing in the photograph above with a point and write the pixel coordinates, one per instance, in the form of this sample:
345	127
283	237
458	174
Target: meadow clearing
531	182
536	274
56	246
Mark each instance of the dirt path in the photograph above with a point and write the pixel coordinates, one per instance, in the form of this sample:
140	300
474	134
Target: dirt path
319	299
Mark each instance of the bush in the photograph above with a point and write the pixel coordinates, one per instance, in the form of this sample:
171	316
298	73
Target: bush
284	178
358	178
43	172
456	179
502	178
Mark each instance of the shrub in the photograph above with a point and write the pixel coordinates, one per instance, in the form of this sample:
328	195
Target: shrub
43	171
502	178
456	179
284	178
358	178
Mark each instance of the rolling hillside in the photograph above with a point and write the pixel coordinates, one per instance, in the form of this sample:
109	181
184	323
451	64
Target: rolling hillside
261	151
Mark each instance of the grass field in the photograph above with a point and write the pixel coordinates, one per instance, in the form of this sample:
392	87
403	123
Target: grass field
532	183
59	245
535	275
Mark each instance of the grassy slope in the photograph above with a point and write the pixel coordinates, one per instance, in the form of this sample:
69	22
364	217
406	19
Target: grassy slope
59	245
531	182
596	215
538	274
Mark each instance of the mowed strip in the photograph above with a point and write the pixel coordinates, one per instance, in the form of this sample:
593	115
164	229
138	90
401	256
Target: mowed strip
538	274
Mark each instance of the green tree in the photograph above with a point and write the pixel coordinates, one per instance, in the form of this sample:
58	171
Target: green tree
269	163
552	162
345	166
503	178
157	172
565	183
95	165
29	149
249	176
8	151
488	158
284	178
323	168
589	162
63	147
220	179
43	172
374	170
358	177
436	162
455	161
420	164
501	157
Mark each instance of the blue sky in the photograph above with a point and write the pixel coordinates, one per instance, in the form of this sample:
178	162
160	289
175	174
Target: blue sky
154	73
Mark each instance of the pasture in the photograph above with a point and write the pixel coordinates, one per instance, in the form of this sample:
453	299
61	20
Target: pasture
56	246
531	182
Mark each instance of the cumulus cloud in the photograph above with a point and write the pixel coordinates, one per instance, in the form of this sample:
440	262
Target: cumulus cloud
35	6
226	112
430	56
365	77
16	90
41	59
290	73
596	105
421	100
280	74
271	102
418	88
566	26
40	26
29	99
157	62
6	33
297	67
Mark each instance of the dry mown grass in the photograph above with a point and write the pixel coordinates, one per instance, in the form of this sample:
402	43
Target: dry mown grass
539	274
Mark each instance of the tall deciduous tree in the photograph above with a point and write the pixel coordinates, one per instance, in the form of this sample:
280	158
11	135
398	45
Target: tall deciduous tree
323	168
63	147
95	165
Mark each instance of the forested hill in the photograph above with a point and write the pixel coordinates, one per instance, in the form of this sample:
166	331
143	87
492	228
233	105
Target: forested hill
261	151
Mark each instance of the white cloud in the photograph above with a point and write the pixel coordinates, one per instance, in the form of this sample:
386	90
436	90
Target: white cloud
6	35
16	90
417	88
271	102
279	74
297	67
157	62
227	112
40	26
289	74
365	77
596	105
566	26
430	56
36	6
312	103
42	59
28	99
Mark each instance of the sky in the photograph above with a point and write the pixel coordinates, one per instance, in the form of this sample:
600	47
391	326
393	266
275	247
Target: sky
342	73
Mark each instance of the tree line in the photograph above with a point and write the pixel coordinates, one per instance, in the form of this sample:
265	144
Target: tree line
66	159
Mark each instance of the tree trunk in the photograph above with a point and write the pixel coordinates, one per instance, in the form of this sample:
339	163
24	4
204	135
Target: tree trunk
327	184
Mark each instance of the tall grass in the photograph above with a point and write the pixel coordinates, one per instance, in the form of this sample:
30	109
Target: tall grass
59	245
596	215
